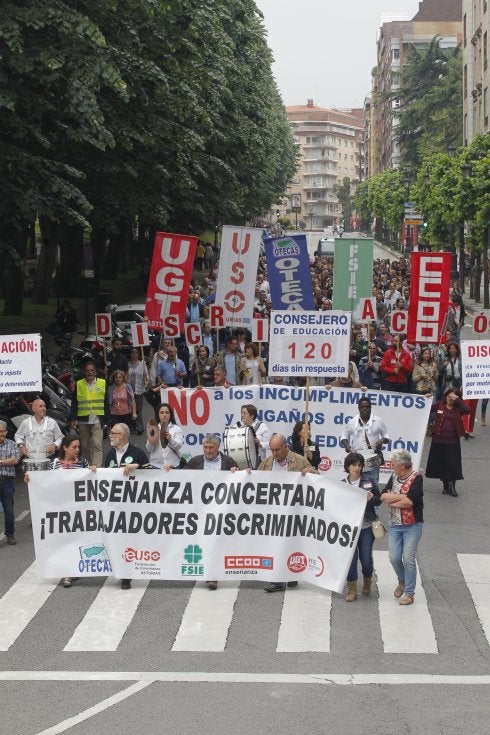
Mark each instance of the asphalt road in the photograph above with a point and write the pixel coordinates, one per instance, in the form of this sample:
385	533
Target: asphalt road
370	667
356	683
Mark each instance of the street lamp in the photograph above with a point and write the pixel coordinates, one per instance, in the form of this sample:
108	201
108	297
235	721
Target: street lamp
296	206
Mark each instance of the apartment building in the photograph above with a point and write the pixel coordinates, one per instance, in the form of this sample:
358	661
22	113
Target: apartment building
441	18
331	144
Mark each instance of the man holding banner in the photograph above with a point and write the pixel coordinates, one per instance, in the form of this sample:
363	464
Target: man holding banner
283	460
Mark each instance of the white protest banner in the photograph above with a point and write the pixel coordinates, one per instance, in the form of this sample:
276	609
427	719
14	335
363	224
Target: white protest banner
20	363
103	325
309	343
475	359
139	334
206	410
237	274
260	330
189	524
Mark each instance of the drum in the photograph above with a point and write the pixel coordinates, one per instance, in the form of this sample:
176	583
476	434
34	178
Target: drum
30	464
371	459
239	444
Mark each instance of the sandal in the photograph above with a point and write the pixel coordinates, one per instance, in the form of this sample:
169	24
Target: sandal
407	599
399	589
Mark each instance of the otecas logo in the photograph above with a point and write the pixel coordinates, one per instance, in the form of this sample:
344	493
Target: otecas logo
325	464
131	555
297	562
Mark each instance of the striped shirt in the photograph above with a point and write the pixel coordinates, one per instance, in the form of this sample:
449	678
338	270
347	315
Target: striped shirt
58	464
8	449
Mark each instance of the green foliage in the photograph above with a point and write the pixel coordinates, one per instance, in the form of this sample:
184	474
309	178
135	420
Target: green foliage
431	103
344	197
165	109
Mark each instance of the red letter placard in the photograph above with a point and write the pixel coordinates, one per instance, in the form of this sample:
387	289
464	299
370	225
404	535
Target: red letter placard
429	296
103	325
171	270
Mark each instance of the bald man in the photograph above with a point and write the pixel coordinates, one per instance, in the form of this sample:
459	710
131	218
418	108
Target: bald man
282	459
38	435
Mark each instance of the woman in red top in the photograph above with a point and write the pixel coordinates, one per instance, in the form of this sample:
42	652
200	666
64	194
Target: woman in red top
396	367
444	461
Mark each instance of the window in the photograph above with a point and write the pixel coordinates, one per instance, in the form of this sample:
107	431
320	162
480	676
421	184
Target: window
396	53
465	81
464	29
485	107
485	51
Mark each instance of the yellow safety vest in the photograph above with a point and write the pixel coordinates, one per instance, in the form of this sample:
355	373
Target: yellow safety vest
91	401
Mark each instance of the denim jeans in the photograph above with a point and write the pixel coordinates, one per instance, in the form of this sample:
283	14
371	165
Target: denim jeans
402	543
7	499
363	552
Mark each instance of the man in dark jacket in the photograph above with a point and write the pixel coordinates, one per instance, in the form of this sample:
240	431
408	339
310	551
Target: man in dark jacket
211	459
126	455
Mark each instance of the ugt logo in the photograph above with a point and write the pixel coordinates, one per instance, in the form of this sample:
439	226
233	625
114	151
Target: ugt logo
192	555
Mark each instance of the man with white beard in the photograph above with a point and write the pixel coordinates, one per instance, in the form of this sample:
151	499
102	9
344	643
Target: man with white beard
125	455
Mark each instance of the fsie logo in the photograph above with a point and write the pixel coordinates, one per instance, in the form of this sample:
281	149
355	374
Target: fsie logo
249	562
130	555
192	556
94	559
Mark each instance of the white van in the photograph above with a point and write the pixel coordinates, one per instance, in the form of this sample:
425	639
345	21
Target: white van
326	247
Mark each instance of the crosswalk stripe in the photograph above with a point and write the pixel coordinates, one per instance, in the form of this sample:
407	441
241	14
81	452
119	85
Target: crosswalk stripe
476	572
305	620
207	618
21	603
23	514
403	629
108	617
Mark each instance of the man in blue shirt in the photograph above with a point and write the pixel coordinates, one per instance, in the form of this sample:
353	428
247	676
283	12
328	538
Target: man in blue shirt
171	371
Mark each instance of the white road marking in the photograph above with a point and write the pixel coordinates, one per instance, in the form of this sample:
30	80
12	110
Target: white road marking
96	709
211	677
108	617
403	629
305	620
207	618
21	603
476	572
20	517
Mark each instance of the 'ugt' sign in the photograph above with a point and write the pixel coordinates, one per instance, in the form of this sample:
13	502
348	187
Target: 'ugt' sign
168	286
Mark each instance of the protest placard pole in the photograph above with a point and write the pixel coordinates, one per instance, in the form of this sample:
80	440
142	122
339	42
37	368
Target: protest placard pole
305	431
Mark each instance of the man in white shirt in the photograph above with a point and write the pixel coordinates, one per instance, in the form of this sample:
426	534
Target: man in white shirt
38	436
365	433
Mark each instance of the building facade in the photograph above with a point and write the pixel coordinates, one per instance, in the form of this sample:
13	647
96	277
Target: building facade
331	146
441	18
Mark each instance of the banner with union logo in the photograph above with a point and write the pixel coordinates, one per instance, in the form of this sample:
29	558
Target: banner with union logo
190	524
168	285
288	270
237	274
430	282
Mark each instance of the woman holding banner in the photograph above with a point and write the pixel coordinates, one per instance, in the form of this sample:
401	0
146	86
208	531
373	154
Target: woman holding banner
444	460
202	370
354	465
68	459
252	368
164	440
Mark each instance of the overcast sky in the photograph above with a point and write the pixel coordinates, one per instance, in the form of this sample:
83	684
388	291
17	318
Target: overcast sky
325	49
